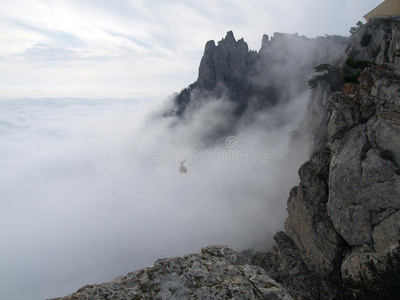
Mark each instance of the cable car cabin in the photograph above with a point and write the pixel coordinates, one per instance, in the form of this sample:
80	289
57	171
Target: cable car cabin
182	168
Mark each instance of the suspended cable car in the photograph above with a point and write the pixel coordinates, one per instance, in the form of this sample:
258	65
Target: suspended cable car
182	168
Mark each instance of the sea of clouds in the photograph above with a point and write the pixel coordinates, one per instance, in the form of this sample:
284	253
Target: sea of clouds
76	207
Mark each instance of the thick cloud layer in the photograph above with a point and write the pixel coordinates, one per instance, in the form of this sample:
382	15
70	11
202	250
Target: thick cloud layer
79	205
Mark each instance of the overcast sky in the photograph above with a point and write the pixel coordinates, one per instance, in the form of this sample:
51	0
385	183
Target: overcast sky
141	48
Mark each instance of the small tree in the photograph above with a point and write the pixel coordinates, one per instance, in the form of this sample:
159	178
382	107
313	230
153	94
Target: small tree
355	69
354	30
359	64
330	74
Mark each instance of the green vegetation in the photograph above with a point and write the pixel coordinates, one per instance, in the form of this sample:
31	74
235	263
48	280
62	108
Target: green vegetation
330	74
336	77
356	29
365	40
351	78
359	64
356	66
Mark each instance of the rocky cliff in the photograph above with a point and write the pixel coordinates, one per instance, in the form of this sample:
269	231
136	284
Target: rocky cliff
343	227
344	218
377	41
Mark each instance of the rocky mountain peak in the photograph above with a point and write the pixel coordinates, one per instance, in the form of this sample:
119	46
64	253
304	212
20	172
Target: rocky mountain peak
257	79
226	62
229	38
210	46
264	43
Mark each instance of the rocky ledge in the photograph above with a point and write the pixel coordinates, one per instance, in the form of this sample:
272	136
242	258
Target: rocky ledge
217	272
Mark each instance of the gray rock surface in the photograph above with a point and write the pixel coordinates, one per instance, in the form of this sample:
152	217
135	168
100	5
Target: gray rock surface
284	263
217	272
364	179
384	44
229	61
308	223
345	213
384	47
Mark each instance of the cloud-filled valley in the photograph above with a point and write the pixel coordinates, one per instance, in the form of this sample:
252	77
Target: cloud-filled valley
73	211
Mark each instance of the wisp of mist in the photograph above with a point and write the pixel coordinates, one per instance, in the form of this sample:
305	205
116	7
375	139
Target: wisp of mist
79	206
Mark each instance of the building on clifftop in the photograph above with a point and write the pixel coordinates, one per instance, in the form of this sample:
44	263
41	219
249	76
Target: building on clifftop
387	9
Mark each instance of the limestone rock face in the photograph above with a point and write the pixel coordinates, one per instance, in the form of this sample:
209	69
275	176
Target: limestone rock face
225	63
364	181
345	213
308	223
284	263
377	41
217	272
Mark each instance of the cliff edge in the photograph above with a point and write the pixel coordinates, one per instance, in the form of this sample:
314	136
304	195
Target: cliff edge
343	228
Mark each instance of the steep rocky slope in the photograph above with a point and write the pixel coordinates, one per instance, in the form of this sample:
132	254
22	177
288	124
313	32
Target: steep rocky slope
215	273
346	210
378	41
344	216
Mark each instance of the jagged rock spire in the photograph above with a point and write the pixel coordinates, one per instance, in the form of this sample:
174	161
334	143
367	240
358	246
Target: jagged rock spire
224	62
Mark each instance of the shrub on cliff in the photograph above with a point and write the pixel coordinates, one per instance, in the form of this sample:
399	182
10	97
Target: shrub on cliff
336	77
355	67
330	74
365	40
354	30
359	64
351	78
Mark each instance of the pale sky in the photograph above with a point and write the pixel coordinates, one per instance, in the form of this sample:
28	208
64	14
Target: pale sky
141	48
